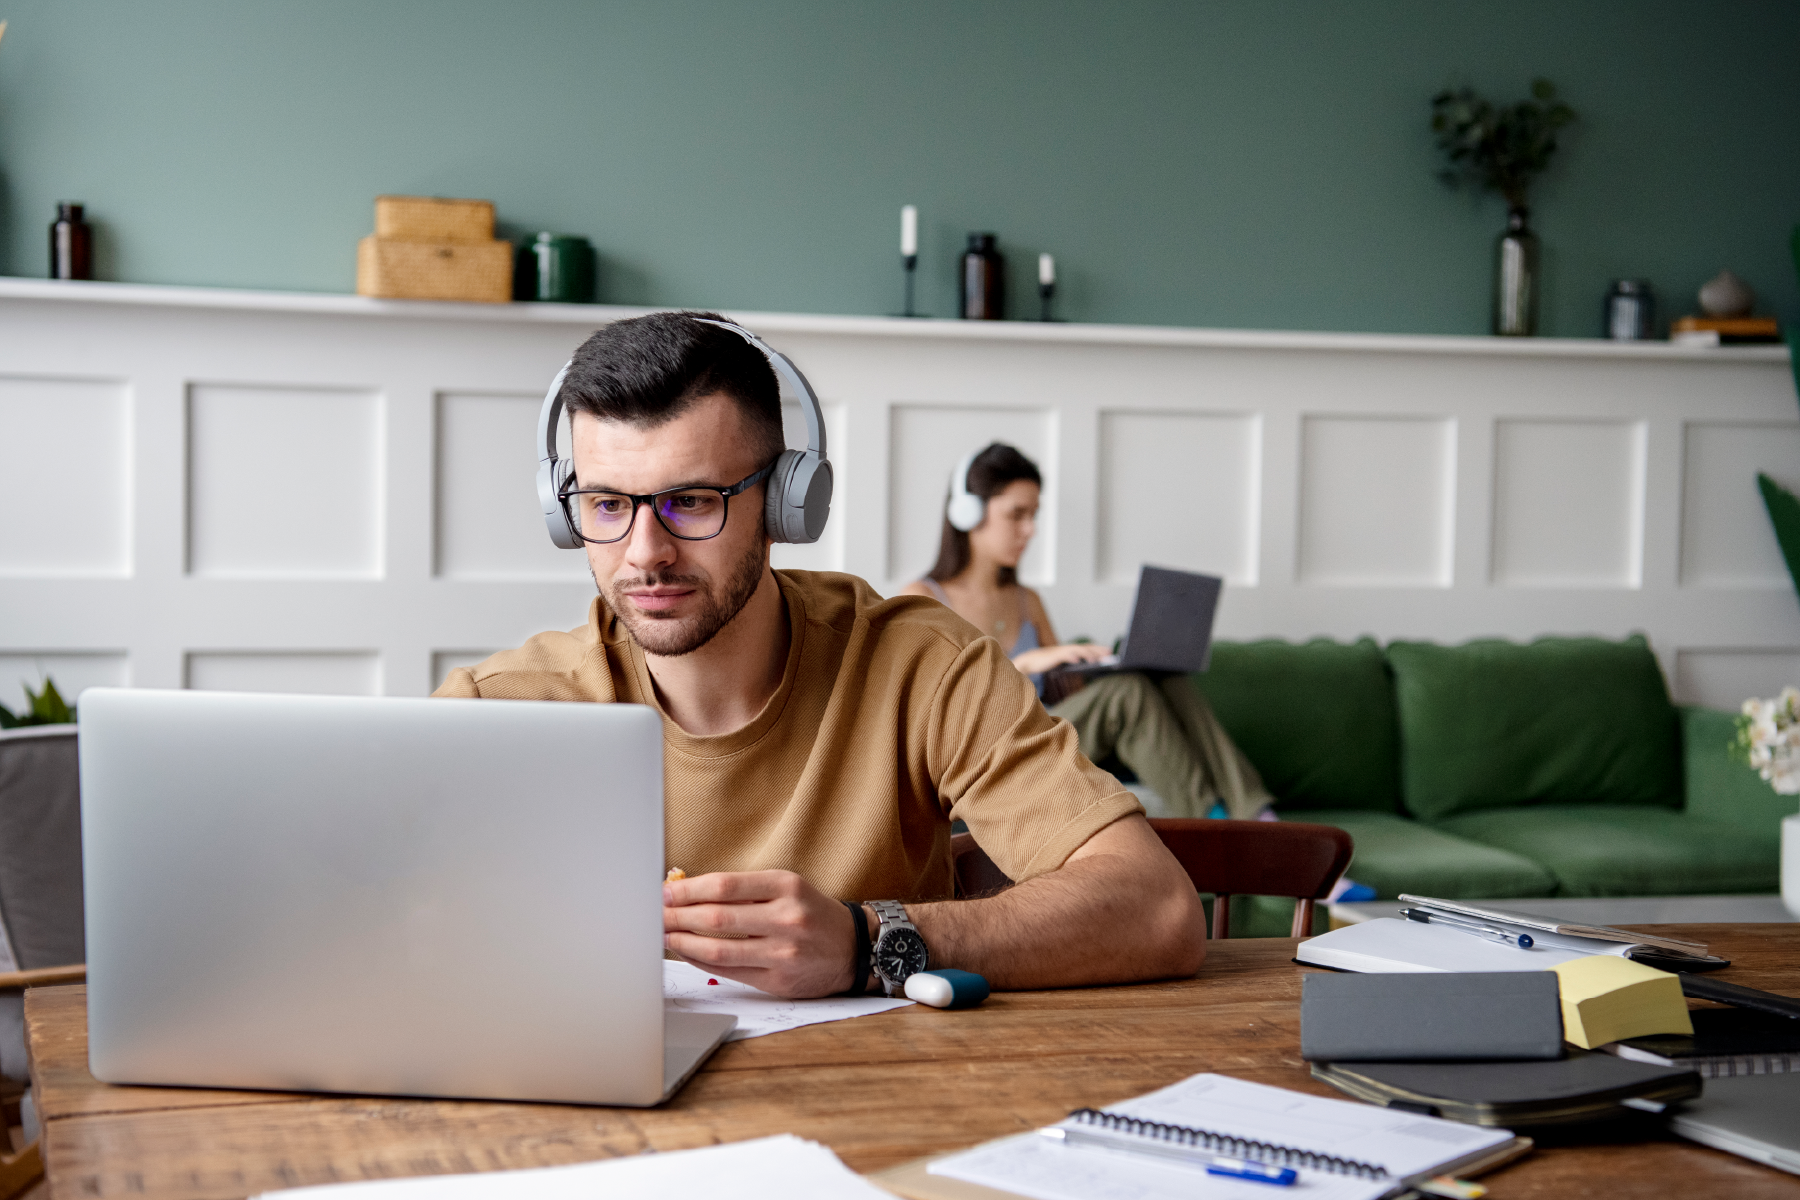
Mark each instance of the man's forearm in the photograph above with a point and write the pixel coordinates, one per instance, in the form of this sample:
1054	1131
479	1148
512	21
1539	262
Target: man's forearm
1119	910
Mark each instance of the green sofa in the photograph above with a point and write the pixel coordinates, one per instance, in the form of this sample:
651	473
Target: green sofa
1499	769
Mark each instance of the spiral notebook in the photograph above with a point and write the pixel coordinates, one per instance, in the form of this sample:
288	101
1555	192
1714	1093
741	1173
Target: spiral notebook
1156	1148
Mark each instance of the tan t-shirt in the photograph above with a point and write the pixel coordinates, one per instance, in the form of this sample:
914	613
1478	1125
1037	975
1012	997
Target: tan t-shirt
893	718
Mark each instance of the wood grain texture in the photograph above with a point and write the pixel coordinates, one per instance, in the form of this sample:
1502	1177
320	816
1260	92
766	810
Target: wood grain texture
878	1090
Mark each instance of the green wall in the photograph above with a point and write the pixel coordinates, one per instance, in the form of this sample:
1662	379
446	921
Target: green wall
1259	164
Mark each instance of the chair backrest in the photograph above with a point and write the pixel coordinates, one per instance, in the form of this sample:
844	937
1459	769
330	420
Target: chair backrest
1257	858
1226	858
40	845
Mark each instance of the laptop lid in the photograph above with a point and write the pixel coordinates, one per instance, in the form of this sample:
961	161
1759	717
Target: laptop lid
396	896
1756	1116
1171	621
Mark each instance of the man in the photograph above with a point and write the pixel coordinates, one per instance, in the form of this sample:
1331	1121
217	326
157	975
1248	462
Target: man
819	740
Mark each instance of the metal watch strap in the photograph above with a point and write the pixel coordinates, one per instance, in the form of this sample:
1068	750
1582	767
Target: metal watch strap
892	914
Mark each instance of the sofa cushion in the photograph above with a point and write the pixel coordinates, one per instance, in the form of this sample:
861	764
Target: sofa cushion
1317	720
1494	724
1615	850
1721	787
1395	854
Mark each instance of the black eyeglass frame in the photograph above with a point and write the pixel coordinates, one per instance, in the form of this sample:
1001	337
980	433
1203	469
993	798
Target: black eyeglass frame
637	502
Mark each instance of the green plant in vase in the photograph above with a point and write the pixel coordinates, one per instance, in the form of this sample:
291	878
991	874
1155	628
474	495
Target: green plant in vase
1503	148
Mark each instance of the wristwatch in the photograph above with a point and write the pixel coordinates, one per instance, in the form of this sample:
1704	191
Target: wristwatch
899	950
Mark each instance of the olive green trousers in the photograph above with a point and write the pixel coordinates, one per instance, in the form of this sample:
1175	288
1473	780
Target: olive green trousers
1166	732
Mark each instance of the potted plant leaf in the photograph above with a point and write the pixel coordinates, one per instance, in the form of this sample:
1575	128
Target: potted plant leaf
47	707
1502	148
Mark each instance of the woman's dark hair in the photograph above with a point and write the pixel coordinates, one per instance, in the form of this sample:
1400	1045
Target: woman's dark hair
989	474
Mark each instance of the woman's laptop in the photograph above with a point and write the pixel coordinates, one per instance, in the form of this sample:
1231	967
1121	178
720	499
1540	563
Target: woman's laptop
1171	625
393	896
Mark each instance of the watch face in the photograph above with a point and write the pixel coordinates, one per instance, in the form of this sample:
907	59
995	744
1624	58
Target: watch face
899	954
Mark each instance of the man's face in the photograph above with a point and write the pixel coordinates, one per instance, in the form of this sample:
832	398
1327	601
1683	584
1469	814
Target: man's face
674	595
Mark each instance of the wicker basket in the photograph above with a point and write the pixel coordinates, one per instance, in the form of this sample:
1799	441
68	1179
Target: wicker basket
411	270
432	219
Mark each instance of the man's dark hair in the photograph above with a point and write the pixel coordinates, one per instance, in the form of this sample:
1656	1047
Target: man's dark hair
645	371
989	474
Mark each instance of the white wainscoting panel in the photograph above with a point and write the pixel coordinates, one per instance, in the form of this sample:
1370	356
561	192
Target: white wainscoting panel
1726	541
319	673
489	525
1569	503
927	444
1727	678
72	673
1179	489
65	443
1377	501
284	483
332	493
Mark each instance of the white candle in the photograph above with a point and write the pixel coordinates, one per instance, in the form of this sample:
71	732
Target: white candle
1046	271
909	231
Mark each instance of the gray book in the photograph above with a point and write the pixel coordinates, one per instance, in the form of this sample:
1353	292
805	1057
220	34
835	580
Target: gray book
1430	1017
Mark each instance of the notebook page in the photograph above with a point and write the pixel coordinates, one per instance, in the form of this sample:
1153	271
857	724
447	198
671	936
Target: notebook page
1404	1143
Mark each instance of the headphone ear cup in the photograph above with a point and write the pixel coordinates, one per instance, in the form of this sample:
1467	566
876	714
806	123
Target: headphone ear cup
552	478
802	473
965	511
775	490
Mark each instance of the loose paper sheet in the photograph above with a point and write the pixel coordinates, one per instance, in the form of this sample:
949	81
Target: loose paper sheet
773	1168
686	986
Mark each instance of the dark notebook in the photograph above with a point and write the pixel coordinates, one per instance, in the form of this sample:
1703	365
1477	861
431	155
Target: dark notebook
1582	1087
1429	1017
1725	1042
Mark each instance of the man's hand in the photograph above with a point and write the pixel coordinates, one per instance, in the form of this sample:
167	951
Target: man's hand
769	929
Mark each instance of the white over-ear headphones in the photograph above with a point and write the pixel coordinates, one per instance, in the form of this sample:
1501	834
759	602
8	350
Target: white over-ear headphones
798	496
965	510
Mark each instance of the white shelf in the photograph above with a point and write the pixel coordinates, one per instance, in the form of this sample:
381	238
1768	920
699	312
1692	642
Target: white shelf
592	315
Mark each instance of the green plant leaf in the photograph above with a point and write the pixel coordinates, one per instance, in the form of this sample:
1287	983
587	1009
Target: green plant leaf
49	706
1784	514
7	720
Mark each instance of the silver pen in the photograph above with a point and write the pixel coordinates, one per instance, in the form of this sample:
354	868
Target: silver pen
1523	941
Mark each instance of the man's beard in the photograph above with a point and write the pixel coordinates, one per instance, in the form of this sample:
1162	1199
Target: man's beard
671	636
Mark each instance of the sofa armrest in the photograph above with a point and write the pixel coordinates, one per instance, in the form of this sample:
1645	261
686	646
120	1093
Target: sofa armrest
1718	786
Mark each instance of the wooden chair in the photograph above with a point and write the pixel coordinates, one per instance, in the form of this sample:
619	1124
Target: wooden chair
1257	858
21	1169
1226	858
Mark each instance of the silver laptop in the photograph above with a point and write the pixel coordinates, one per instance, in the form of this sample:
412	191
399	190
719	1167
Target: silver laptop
1756	1116
1171	625
393	896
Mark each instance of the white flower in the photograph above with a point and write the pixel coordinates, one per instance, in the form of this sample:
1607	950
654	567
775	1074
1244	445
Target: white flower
1769	734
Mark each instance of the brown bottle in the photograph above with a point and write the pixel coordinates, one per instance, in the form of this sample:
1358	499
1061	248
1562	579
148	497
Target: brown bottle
71	244
983	279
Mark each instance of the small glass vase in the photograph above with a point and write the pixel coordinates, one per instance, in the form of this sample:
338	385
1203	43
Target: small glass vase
1516	278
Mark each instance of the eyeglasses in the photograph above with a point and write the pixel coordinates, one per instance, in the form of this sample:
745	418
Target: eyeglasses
692	514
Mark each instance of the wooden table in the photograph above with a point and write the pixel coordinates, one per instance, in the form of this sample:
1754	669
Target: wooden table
878	1090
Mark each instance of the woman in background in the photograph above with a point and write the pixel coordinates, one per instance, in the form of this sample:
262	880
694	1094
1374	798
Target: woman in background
1163	730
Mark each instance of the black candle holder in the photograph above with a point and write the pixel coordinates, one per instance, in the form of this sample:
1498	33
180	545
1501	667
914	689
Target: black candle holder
911	263
1045	292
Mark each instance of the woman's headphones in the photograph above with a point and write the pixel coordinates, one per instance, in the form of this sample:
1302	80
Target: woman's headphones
798	499
965	510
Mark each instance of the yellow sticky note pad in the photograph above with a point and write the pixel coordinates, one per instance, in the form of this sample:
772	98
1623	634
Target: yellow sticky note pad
1606	999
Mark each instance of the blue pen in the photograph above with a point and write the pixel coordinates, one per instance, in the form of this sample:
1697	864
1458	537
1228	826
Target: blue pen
1523	941
1215	1164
